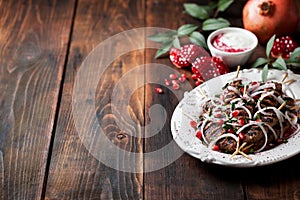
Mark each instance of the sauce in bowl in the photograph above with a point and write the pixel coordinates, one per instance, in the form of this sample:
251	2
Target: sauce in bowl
231	42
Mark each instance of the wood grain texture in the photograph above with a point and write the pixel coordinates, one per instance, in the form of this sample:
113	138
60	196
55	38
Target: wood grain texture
37	40
74	172
33	45
278	181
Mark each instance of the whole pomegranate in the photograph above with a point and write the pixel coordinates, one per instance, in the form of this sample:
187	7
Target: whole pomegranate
268	17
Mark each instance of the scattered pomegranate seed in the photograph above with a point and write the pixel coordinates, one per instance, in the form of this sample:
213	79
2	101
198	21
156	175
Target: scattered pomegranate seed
175	86
241	121
258	120
182	78
242	90
216	147
230	131
241	135
175	82
167	82
193	124
173	76
235	113
199	134
158	90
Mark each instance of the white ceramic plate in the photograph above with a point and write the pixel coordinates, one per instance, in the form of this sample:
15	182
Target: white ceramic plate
188	107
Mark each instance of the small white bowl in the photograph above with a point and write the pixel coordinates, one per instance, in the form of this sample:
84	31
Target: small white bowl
235	36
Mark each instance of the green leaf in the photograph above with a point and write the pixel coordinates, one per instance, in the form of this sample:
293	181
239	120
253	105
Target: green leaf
164	48
224	4
176	43
163	37
214	24
264	74
269	46
279	63
199	12
294	56
296	52
198	38
212	5
259	62
186	29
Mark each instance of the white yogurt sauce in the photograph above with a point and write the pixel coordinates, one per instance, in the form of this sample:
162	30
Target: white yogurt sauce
232	42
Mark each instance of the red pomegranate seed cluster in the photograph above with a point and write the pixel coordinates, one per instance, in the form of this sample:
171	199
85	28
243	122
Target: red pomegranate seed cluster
204	67
283	47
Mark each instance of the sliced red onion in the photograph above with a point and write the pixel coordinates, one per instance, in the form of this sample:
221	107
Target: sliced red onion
202	130
266	138
279	115
233	89
212	143
246	109
265	86
291	117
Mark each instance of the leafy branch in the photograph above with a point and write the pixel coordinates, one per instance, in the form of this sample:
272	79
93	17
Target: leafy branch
278	63
207	14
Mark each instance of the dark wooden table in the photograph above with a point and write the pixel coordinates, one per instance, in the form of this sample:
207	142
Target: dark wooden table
42	47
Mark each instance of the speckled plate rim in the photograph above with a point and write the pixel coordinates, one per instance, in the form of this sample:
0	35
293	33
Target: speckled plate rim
188	107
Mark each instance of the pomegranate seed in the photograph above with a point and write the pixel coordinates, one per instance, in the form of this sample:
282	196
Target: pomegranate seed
254	83
242	90
158	90
193	124
194	76
175	82
216	147
199	134
235	113
241	136
198	83
175	86
256	97
230	131
181	79
241	121
167	82
173	76
283	47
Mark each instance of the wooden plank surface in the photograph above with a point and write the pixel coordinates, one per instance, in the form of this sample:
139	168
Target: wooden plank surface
33	45
74	172
43	151
278	181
